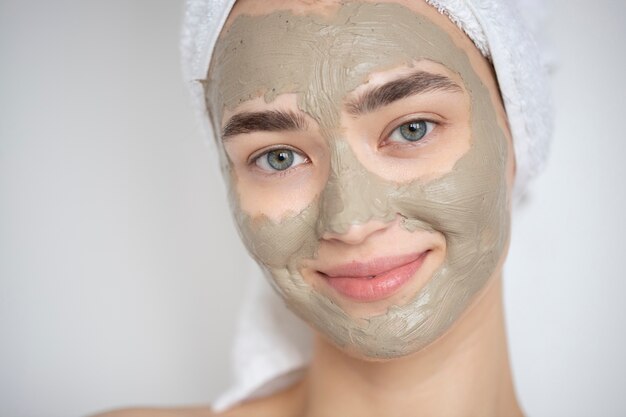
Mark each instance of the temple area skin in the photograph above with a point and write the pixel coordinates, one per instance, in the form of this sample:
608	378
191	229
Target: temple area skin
370	168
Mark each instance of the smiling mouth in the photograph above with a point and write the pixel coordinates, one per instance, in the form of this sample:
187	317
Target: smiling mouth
374	280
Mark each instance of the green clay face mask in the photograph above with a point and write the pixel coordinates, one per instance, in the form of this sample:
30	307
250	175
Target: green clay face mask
323	59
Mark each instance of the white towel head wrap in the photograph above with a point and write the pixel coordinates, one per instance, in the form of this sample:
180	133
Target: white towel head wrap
272	345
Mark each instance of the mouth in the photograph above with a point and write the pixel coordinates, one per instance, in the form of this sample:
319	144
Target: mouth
373	280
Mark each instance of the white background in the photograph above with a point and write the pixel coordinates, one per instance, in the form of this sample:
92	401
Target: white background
120	272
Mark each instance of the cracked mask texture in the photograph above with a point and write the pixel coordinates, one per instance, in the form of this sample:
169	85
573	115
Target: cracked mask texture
322	59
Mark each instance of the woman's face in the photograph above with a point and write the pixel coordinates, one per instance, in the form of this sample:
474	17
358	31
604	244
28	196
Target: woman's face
369	164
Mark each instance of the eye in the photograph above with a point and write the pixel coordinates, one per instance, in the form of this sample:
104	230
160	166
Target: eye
279	159
412	131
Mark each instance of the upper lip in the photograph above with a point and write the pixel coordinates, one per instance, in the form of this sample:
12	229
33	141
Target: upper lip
369	268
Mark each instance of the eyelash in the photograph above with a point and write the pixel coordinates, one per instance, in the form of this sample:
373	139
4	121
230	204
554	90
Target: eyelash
254	160
301	158
431	126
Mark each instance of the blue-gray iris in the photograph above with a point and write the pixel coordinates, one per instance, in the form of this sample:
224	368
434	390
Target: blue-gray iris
413	131
280	159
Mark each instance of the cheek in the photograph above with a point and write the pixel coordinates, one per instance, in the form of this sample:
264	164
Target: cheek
274	199
277	216
276	195
280	245
424	162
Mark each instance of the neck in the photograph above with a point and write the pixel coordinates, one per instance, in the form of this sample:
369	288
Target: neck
465	372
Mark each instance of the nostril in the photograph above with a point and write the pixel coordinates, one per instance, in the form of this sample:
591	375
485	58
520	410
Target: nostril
357	233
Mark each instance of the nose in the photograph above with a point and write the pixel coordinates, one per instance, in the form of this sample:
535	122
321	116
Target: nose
353	204
356	233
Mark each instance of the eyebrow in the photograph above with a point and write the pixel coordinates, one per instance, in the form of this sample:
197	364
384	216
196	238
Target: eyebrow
264	121
416	83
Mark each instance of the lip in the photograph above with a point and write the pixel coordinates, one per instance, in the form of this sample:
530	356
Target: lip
373	280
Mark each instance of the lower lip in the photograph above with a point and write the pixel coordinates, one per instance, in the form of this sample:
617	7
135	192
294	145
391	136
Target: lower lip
379	287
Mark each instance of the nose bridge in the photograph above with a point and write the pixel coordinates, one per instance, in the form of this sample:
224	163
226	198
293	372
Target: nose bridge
352	196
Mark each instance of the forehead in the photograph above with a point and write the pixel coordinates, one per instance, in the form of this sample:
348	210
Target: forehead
323	57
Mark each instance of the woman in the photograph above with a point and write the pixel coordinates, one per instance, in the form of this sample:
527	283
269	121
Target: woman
371	164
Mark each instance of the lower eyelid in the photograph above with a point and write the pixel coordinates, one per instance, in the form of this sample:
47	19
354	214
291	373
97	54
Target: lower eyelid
260	153
253	162
434	125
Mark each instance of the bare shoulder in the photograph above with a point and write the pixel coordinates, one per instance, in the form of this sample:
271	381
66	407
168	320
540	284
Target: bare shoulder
254	408
159	412
285	403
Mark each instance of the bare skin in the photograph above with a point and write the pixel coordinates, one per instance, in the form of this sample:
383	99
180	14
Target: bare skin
466	372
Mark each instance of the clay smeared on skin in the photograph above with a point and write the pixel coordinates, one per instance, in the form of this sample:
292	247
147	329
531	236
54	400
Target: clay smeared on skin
322	59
